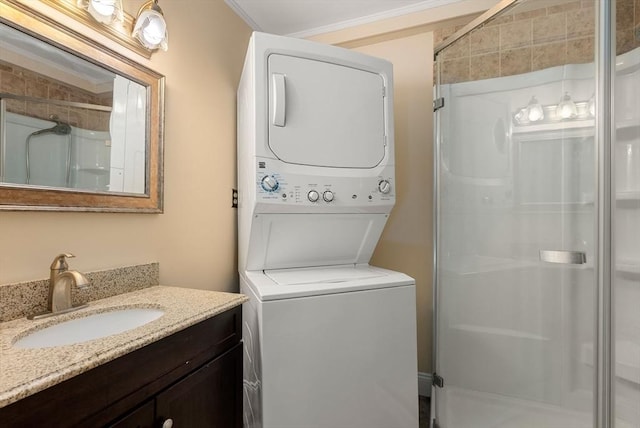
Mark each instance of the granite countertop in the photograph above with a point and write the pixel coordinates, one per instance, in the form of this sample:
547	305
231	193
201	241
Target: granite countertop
24	372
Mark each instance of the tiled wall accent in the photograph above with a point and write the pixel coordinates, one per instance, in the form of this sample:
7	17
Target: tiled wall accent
20	81
527	40
24	298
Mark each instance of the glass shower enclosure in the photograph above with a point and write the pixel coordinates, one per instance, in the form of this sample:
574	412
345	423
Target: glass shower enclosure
537	226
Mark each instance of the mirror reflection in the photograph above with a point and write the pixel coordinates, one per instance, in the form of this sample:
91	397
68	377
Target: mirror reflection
67	123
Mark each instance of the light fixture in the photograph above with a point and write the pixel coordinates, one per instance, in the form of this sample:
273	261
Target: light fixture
103	11
535	112
555	114
591	105
521	116
566	108
150	27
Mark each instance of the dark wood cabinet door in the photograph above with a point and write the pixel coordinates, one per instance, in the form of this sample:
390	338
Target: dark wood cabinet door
210	397
142	417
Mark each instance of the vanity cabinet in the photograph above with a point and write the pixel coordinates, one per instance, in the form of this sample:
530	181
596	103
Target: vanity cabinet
193	377
202	399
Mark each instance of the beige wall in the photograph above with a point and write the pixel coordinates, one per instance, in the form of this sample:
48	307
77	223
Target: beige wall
195	239
406	241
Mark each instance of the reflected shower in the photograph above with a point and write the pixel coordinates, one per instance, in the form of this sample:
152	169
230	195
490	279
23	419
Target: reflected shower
60	128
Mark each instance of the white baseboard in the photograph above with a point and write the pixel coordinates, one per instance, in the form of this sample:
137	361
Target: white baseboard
424	384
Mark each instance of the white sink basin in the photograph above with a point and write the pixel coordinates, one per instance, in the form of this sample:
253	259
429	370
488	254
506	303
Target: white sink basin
91	327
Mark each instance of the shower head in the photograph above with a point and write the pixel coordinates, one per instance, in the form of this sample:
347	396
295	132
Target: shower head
60	128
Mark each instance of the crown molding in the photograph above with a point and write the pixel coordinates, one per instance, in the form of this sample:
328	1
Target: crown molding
375	17
242	14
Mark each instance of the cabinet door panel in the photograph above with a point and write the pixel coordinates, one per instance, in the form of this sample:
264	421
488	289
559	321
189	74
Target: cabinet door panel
142	417
205	397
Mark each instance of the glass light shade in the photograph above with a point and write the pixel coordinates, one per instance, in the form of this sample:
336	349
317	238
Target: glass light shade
521	116
150	27
566	108
535	112
591	105
103	11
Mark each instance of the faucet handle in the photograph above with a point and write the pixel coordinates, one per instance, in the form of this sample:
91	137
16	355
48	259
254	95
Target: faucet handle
60	263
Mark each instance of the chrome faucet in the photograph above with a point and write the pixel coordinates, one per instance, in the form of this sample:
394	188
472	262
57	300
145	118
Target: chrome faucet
61	280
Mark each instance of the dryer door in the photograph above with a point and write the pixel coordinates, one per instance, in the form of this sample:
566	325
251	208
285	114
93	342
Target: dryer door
324	114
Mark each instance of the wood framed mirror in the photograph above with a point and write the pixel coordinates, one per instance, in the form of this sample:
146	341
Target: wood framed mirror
81	126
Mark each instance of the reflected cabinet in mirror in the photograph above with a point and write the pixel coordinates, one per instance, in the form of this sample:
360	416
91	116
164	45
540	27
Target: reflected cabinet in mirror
81	126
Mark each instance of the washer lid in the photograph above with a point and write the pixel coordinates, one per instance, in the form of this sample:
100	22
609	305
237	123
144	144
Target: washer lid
315	281
320	275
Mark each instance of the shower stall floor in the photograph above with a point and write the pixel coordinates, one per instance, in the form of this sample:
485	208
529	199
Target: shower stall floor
472	409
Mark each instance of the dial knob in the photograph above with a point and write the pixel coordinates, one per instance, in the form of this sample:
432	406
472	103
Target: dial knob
269	183
327	196
384	186
313	196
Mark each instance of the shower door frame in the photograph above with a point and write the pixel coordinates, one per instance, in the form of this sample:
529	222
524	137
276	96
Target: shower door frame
604	58
604	245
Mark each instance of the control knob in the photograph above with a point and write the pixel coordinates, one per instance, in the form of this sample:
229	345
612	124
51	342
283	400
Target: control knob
384	186
327	196
313	196
269	183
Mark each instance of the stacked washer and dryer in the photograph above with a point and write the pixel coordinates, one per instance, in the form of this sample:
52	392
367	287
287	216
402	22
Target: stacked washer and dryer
330	341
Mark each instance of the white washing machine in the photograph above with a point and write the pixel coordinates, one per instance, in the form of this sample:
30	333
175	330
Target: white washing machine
329	340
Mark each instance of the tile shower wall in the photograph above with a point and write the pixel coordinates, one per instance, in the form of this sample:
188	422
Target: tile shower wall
533	40
20	81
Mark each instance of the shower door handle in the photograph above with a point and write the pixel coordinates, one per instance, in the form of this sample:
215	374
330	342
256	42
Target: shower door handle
563	257
279	99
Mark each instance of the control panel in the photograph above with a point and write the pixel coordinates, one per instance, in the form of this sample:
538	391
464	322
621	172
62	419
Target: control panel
301	190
